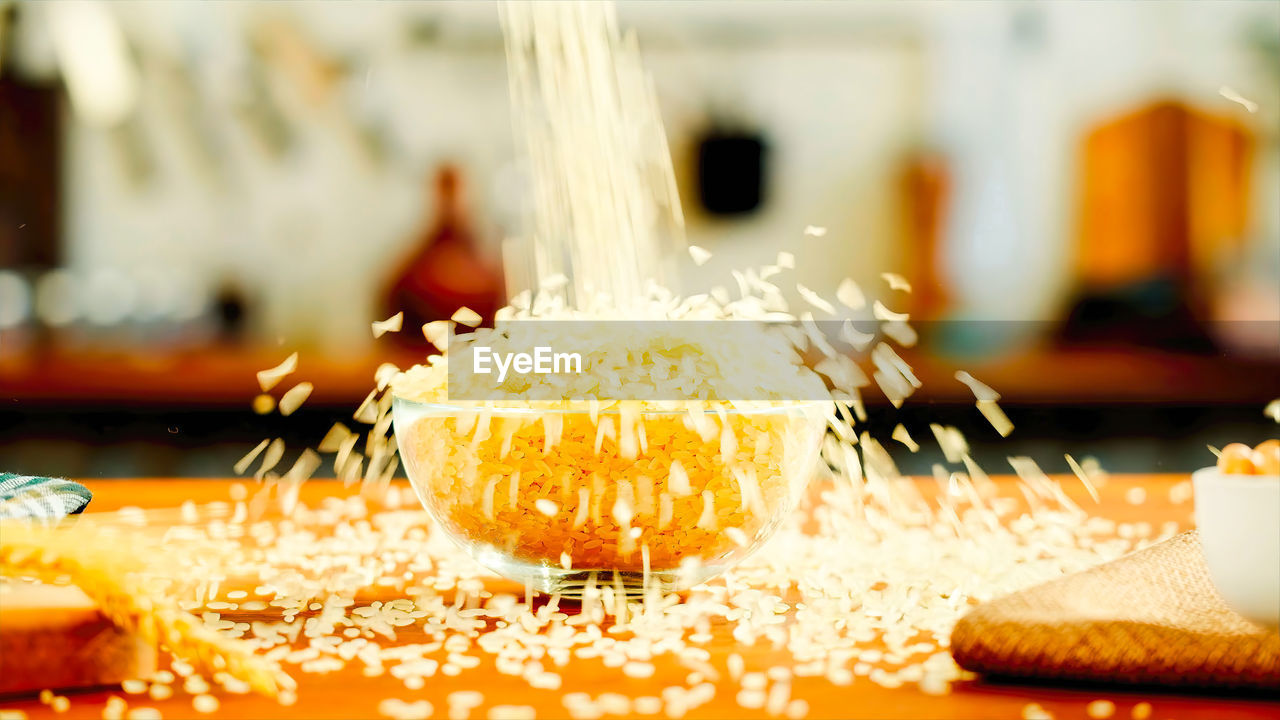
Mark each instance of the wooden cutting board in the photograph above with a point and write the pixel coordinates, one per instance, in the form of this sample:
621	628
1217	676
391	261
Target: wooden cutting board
53	636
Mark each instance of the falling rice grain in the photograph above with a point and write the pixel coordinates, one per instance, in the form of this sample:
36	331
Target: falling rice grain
467	316
896	282
243	463
994	415
901	333
1272	410
850	295
333	440
981	391
951	440
306	464
385	373
367	412
1084	478
901	435
293	399
271	458
815	231
815	299
437	333
699	255
851	335
268	379
1230	93
391	324
880	312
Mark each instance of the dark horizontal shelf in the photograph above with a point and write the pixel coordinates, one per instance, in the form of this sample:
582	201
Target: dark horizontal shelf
225	377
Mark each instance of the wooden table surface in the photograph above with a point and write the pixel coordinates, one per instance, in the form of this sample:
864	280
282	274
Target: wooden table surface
349	694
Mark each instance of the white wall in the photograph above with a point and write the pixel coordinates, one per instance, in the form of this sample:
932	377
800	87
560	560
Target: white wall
1011	113
843	91
839	122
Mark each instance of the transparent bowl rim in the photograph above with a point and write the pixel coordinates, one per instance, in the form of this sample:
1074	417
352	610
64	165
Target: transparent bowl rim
1215	476
766	407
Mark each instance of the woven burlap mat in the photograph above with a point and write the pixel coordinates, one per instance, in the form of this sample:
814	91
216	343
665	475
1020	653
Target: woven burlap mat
1151	617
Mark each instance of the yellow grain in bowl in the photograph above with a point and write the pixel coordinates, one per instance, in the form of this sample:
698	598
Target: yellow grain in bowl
552	493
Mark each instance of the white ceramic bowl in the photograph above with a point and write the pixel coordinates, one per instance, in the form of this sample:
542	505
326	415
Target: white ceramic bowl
1239	521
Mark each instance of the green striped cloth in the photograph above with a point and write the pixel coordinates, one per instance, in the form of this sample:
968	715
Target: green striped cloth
40	498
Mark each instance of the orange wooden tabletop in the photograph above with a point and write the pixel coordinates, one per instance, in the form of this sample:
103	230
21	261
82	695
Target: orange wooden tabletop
347	693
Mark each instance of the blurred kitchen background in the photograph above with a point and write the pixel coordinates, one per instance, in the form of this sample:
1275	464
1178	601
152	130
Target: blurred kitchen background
1085	196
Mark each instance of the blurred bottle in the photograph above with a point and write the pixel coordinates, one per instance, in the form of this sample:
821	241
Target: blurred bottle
447	269
1165	200
231	313
926	185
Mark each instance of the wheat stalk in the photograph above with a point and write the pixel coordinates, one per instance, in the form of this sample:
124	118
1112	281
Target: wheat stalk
108	567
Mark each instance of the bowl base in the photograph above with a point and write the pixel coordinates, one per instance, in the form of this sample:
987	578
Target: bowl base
574	583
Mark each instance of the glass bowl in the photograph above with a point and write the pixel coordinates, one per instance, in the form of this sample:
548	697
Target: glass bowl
680	499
